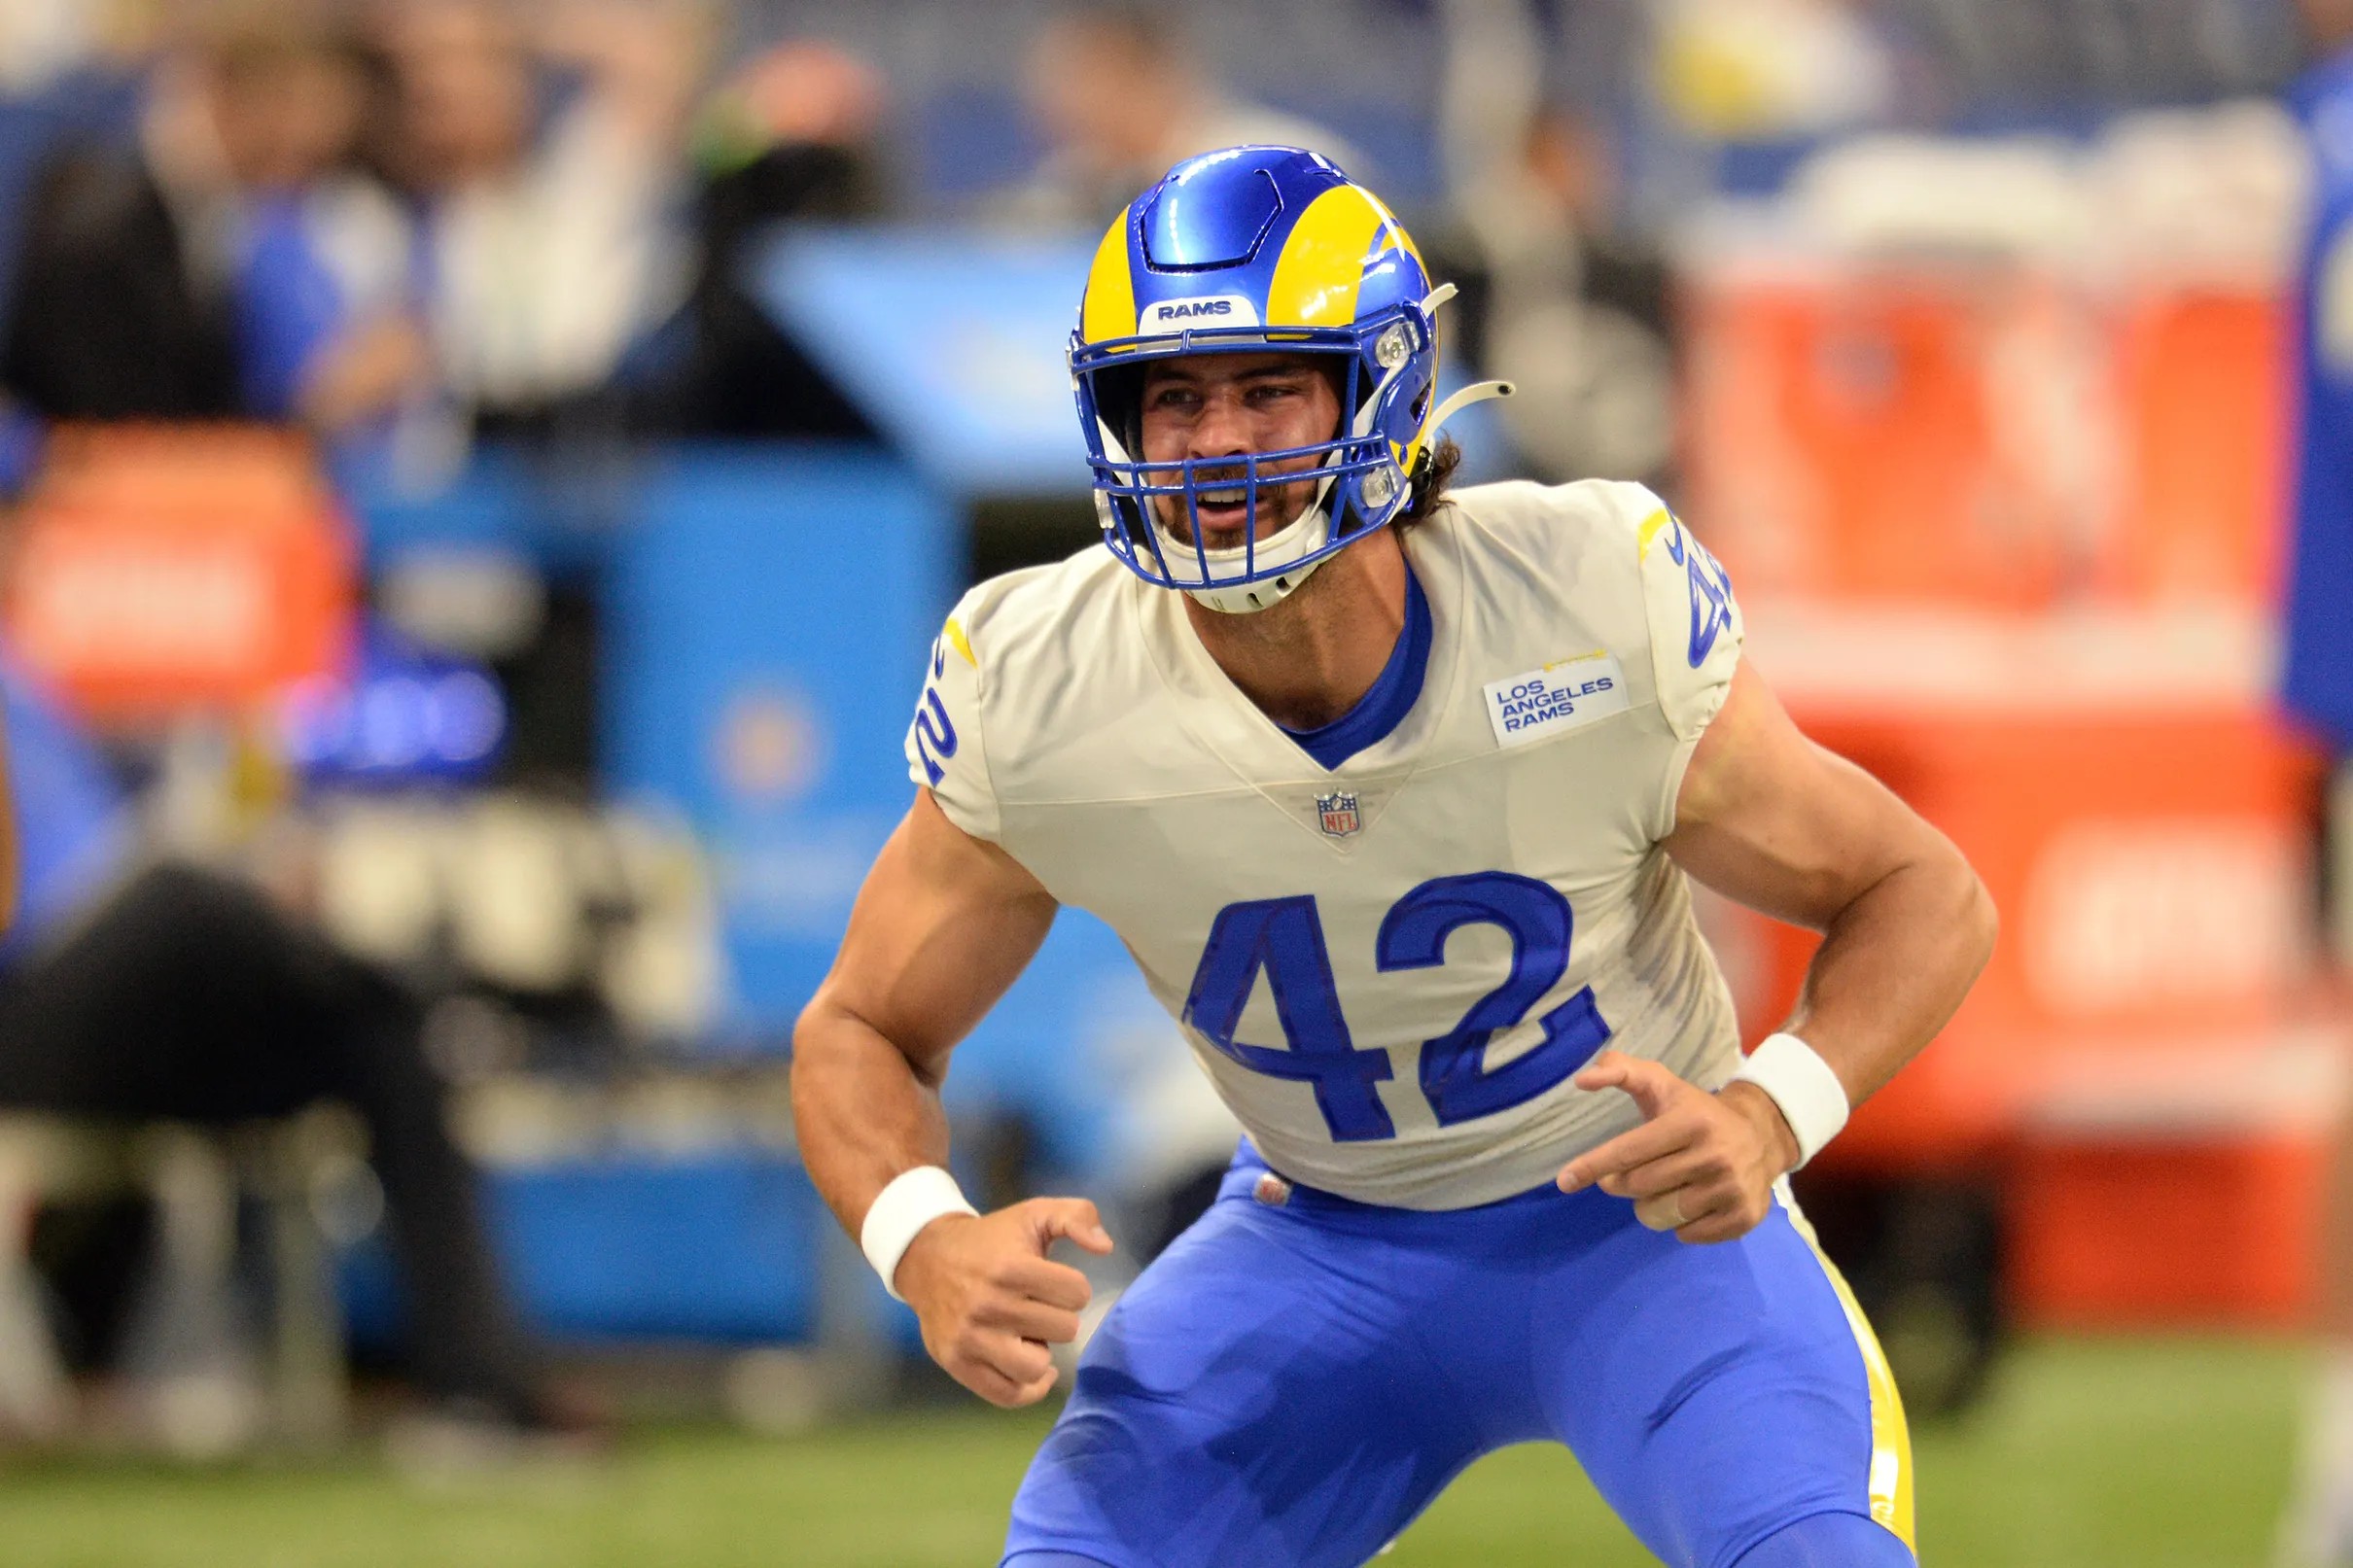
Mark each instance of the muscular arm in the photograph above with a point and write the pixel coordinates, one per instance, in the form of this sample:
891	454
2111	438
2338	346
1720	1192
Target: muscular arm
943	924
1771	819
1768	818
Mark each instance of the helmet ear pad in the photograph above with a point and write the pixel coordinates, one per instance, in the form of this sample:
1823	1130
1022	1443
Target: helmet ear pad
1390	418
1119	404
1334	369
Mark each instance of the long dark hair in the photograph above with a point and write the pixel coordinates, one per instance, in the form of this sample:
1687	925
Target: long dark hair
1432	477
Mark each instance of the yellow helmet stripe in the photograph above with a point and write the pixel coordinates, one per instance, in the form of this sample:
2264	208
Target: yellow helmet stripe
1110	298
1394	233
1323	262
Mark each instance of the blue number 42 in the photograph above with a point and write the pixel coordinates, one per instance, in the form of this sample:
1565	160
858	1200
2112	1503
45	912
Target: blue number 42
1283	939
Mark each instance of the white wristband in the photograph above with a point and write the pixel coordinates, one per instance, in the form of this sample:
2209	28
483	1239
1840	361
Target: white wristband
1797	1079
913	1199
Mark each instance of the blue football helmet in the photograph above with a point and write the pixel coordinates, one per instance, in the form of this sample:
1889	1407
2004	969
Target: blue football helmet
1254	248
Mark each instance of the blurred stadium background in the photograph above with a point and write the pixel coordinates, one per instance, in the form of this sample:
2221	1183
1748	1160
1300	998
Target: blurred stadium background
489	475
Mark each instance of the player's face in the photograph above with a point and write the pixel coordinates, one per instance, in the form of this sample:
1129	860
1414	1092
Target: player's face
1208	405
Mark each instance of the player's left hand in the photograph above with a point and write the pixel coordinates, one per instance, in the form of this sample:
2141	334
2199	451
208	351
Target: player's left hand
1701	1164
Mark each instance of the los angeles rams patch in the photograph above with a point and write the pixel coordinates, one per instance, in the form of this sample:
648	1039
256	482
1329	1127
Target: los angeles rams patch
1563	694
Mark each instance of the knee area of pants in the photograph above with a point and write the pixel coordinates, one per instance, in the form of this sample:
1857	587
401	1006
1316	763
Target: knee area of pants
1829	1541
1053	1559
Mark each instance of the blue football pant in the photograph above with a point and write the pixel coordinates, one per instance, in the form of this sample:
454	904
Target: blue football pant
1823	1541
1289	1386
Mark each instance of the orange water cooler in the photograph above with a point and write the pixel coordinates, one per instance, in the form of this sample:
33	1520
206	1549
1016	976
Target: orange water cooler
2010	540
154	570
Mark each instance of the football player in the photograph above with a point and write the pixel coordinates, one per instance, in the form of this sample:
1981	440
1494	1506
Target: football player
1393	792
2316	1530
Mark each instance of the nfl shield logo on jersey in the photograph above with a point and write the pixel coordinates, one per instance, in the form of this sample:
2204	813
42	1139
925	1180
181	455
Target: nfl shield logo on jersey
1337	815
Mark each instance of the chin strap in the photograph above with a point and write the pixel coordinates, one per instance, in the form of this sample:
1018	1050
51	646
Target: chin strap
1476	392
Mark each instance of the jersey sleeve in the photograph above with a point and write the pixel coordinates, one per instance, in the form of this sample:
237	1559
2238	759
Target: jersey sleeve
946	752
1696	632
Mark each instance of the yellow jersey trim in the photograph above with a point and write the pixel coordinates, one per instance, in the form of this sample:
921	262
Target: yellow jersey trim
1650	530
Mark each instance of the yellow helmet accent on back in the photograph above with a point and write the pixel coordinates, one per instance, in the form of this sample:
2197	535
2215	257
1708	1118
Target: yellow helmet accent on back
1110	307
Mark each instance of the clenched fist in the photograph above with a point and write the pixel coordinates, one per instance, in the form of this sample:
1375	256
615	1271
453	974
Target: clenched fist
991	1300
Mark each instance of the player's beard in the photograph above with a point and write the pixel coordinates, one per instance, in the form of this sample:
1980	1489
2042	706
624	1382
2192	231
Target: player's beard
1280	625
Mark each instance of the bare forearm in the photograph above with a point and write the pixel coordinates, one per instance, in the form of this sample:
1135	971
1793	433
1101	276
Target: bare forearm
862	1112
1893	968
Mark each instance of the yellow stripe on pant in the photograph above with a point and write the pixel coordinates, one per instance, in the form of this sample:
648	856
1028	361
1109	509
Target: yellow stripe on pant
1891	1479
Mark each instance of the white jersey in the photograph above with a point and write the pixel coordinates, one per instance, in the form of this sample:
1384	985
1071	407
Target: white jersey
1389	969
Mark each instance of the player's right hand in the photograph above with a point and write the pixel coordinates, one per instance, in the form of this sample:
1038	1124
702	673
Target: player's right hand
991	1300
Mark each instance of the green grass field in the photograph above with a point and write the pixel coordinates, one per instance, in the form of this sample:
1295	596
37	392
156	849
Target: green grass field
2089	1454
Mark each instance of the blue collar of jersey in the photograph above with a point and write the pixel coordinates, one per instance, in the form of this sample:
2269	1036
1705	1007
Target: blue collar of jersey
1391	697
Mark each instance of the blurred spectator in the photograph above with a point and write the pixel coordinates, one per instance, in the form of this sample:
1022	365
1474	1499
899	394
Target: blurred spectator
1121	96
42	40
1973	55
220	267
1751	70
46	45
551	243
123	303
182	994
790	136
1572	313
327	326
1556	300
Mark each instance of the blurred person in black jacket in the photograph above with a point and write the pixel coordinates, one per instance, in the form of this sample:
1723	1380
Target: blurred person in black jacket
788	137
173	992
126	297
231	264
1558	299
121	309
1574	315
